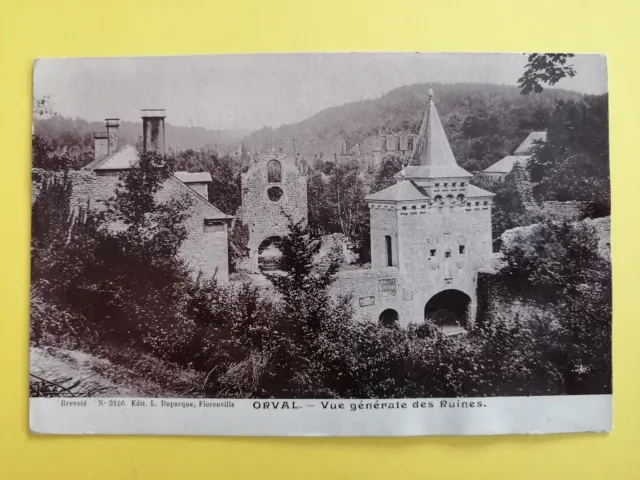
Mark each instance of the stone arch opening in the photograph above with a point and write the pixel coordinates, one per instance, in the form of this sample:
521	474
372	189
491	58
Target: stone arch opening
389	318
448	311
269	255
274	171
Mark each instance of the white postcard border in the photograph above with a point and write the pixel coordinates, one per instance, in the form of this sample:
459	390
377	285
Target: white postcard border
274	417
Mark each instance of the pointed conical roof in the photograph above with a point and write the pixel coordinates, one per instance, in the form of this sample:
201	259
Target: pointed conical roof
432	156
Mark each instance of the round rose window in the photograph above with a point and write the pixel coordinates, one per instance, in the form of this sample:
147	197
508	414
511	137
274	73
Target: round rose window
274	193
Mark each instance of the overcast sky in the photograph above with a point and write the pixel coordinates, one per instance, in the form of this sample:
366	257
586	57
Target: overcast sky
252	91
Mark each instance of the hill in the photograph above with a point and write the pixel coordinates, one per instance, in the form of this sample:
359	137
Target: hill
62	131
483	122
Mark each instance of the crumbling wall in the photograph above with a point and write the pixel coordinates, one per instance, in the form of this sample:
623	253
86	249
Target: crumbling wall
267	217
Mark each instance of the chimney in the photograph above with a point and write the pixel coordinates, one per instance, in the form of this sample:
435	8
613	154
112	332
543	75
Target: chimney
112	132
153	130
100	144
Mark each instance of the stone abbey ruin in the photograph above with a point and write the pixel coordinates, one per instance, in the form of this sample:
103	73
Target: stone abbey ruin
430	232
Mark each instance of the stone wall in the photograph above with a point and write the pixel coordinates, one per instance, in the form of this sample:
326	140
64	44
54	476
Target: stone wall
421	238
206	246
265	217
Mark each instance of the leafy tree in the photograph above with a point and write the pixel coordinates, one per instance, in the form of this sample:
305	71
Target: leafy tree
224	190
573	164
508	209
149	227
238	241
319	208
307	309
545	68
385	172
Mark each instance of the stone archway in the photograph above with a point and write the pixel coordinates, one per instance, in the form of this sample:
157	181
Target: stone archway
389	318
449	311
268	255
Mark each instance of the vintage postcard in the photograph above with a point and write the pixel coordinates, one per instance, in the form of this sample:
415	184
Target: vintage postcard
359	244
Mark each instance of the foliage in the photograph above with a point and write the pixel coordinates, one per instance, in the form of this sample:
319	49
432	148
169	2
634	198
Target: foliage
46	156
573	164
238	241
545	68
512	117
389	167
337	204
508	209
557	266
224	190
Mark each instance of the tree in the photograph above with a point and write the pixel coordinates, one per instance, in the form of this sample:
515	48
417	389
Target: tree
149	228
385	172
544	68
224	190
573	163
319	209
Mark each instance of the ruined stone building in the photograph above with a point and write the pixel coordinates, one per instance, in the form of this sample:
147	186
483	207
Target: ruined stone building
273	191
206	248
367	154
430	235
522	154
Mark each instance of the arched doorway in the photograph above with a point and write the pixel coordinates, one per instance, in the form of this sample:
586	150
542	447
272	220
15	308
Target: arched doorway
389	318
269	255
448	311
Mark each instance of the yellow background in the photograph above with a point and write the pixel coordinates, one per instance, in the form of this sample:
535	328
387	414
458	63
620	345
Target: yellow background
41	28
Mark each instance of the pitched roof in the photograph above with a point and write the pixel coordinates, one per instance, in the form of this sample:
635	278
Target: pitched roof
474	192
448	171
506	164
125	157
121	159
212	212
432	149
530	142
401	191
193	177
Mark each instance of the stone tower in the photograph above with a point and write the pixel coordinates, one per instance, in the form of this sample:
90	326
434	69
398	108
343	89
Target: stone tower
430	234
272	189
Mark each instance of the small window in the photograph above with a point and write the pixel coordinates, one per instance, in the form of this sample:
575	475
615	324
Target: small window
486	203
437	184
447	254
445	184
477	203
404	208
453	184
387	239
461	249
432	252
413	207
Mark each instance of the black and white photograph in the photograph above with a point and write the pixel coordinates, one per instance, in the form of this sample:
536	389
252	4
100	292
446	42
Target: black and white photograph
321	244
